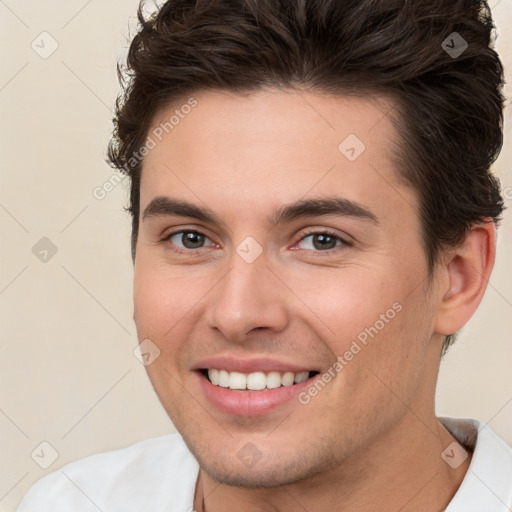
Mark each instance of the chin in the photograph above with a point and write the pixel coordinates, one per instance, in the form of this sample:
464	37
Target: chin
272	470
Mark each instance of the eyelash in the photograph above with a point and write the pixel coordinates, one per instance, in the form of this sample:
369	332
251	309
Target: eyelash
344	243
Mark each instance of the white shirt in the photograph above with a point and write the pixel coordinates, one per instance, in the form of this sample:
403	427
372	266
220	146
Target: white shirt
159	475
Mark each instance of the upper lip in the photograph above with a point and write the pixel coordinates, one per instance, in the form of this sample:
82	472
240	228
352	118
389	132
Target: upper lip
256	364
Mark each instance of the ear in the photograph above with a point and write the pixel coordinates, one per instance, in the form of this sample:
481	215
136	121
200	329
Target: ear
464	276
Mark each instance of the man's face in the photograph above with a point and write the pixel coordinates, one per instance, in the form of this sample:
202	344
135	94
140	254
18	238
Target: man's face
256	293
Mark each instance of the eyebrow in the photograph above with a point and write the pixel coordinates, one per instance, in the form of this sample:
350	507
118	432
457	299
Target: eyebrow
165	206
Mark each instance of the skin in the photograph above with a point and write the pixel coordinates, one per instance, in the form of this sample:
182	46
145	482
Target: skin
371	435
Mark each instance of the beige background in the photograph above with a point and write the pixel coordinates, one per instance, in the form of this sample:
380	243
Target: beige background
68	375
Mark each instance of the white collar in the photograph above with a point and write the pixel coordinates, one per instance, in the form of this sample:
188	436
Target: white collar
487	486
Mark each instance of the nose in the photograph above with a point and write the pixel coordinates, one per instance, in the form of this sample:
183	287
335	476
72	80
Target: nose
248	297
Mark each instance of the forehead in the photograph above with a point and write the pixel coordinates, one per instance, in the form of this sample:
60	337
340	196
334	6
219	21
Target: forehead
271	147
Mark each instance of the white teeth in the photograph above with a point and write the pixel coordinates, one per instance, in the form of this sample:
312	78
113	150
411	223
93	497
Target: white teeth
213	375
273	380
287	379
301	377
237	380
255	381
223	378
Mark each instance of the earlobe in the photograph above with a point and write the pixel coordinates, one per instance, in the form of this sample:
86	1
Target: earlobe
467	270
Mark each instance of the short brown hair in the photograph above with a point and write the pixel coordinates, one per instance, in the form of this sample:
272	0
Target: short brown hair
449	104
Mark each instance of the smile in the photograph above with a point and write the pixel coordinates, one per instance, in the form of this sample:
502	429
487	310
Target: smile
252	390
255	381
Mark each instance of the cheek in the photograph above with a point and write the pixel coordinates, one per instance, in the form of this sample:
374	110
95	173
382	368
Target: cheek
390	365
366	322
344	305
162	299
164	308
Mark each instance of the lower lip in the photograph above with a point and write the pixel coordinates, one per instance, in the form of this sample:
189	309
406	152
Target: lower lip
250	403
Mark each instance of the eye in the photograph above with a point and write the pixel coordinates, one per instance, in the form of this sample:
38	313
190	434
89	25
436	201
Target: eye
189	240
322	241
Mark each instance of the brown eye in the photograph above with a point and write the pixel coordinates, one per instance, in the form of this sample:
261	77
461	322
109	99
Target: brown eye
190	240
322	241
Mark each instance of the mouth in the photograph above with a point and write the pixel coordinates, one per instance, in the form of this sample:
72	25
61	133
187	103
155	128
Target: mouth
250	387
255	381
